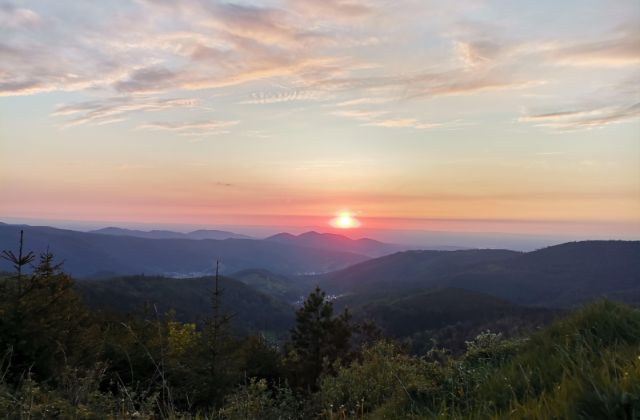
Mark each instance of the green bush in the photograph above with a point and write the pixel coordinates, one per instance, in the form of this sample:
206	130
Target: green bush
385	379
255	401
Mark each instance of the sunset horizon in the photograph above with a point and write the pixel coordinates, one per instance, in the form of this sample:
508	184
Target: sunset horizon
475	116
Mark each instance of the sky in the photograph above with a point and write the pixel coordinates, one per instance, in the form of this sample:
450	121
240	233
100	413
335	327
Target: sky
502	116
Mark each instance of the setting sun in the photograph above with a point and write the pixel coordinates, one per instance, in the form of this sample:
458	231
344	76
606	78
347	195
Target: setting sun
344	220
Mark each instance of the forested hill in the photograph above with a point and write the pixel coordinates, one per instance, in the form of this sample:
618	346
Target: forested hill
555	276
190	300
409	269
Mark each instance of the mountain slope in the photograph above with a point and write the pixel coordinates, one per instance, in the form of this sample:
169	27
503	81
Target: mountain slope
454	315
289	289
190	298
559	275
90	254
409	269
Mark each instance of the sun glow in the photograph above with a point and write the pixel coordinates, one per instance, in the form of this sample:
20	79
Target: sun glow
344	220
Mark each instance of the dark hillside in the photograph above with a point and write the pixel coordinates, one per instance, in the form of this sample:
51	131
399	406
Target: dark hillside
560	275
191	299
409	269
448	316
289	289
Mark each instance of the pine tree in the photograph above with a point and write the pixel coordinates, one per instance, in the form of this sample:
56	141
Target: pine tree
42	318
218	348
318	341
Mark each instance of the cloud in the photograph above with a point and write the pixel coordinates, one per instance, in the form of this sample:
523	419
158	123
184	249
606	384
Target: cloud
585	118
332	9
114	109
359	114
12	16
364	101
288	51
619	49
191	128
148	79
478	52
466	84
157	47
404	123
200	45
375	118
282	96
610	104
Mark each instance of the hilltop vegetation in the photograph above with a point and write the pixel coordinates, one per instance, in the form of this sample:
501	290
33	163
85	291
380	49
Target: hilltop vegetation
585	366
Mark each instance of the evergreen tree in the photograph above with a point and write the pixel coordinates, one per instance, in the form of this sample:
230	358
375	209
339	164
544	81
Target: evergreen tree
318	341
42	318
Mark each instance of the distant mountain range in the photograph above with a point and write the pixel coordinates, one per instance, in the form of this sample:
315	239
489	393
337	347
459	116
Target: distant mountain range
105	255
364	246
286	266
168	234
560	275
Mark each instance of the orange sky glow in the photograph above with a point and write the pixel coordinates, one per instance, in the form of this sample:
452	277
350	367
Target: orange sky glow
465	116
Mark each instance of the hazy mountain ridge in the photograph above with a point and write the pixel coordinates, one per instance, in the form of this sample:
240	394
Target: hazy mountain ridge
363	246
91	254
168	234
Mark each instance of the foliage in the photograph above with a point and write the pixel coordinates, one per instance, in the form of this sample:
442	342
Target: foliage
41	317
255	401
386	379
586	366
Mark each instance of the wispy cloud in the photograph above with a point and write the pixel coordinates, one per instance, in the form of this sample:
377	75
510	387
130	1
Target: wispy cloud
612	104
585	118
364	101
404	123
190	127
114	109
359	114
330	51
618	49
13	16
282	96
